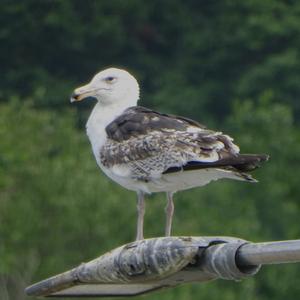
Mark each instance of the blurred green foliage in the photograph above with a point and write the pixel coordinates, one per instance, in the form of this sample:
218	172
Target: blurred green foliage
230	64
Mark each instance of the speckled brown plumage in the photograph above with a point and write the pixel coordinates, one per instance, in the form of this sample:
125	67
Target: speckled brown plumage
151	143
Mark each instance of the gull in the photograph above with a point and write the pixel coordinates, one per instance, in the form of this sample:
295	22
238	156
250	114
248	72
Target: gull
147	151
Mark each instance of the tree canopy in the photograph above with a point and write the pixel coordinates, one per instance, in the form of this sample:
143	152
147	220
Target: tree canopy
233	65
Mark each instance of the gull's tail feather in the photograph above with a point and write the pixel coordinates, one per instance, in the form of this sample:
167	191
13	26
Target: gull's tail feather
248	162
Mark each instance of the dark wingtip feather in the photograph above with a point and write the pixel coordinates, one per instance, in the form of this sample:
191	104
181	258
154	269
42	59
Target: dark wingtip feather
250	162
263	157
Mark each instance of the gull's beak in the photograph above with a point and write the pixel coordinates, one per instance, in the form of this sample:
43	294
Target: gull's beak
82	93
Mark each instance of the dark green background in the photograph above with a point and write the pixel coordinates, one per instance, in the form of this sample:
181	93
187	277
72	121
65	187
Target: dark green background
233	65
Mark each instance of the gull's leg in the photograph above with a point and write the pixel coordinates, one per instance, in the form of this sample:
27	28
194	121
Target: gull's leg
141	213
169	213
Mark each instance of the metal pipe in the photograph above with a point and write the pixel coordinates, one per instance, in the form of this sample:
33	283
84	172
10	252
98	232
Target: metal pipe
268	253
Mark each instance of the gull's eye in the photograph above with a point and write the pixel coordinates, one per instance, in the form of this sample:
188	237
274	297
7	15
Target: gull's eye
110	79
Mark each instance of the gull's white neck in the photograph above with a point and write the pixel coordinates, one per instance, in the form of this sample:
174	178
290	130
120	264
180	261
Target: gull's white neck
100	117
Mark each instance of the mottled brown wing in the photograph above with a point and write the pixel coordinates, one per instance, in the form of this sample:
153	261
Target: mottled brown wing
150	143
138	120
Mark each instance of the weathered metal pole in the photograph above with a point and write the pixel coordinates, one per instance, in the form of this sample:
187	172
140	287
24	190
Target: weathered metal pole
269	253
147	265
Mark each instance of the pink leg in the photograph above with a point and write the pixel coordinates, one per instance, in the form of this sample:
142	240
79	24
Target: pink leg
141	213
169	213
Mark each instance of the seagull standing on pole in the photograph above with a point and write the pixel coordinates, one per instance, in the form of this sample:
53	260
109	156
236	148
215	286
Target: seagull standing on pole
148	152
